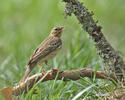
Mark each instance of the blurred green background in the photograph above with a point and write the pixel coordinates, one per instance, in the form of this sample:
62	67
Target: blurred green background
25	23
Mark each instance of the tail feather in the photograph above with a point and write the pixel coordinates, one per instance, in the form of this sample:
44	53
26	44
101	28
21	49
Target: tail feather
28	70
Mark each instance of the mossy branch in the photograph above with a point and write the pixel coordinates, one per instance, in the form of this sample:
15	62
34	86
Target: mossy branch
114	63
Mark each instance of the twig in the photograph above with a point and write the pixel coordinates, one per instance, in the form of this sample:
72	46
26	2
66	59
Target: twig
113	61
65	75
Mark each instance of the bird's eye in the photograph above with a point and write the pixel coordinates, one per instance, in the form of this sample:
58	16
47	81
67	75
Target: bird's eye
56	29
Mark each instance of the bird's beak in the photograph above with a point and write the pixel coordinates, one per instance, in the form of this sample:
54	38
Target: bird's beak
62	28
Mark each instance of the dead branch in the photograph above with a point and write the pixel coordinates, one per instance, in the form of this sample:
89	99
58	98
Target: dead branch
61	75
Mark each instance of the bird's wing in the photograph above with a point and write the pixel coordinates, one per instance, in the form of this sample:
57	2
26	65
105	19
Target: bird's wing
46	47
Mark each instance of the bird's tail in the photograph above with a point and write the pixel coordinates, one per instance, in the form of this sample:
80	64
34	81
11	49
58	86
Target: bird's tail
27	72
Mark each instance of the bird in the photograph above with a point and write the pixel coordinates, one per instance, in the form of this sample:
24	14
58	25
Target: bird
45	51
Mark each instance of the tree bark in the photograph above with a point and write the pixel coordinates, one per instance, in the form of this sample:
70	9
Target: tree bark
113	62
66	75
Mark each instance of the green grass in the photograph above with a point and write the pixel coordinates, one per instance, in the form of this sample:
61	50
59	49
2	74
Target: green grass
24	24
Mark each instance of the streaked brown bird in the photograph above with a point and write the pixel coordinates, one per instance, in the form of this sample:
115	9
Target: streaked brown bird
45	51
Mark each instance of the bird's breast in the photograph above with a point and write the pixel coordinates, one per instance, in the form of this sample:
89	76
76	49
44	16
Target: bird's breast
50	56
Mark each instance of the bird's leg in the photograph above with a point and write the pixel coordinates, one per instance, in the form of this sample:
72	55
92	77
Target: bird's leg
46	62
43	72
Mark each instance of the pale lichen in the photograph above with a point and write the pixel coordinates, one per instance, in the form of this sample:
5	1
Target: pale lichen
114	63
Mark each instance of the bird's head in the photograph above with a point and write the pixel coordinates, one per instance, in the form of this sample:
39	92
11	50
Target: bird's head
57	31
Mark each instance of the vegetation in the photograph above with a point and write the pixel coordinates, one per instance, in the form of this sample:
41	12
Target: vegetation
24	24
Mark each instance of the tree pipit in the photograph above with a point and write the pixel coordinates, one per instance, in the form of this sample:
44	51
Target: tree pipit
45	51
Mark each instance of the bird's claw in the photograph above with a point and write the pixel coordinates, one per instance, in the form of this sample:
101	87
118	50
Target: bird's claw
54	70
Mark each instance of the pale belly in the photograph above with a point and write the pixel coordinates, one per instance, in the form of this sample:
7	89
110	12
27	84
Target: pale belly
48	57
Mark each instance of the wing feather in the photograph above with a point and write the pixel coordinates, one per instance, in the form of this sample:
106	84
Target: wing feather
49	45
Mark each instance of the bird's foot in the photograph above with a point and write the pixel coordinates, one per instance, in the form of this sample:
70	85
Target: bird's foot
43	72
54	69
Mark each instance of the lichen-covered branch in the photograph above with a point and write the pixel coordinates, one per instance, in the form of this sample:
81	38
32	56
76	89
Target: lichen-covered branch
66	75
113	61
